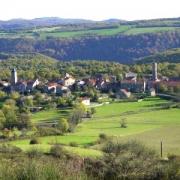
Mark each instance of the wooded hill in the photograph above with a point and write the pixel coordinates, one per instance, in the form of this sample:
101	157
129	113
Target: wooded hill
111	40
171	55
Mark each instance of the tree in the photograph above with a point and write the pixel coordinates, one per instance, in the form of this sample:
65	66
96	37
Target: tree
63	125
24	121
2	120
78	112
14	95
2	94
93	110
10	115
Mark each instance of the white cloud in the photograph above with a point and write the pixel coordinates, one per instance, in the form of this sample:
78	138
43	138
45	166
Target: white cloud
89	9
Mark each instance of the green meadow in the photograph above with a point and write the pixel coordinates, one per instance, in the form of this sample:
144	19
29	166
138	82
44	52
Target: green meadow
146	122
56	32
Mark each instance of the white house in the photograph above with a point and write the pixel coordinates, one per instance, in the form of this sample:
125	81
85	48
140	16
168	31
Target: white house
86	101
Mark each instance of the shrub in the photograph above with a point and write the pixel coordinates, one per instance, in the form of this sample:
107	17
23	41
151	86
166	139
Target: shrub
34	141
103	136
57	151
63	125
48	131
73	144
34	152
123	123
93	110
6	148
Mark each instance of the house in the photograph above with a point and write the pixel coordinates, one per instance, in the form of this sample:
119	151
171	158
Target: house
63	91
68	80
123	94
131	76
85	101
4	84
50	88
20	87
133	86
31	85
152	92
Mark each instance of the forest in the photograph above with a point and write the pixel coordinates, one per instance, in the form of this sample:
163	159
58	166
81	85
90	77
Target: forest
111	40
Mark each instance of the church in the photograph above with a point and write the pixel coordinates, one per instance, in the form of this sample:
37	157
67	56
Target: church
21	86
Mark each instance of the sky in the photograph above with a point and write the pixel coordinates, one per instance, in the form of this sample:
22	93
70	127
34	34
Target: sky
90	9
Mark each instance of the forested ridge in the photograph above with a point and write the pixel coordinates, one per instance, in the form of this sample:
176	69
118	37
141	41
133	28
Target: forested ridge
110	40
121	48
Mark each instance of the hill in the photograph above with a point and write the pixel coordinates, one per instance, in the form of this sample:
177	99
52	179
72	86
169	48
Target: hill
171	55
69	39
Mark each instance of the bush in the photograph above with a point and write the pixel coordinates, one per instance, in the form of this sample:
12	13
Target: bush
73	144
93	110
57	151
103	136
123	123
48	131
63	125
6	148
34	152
34	141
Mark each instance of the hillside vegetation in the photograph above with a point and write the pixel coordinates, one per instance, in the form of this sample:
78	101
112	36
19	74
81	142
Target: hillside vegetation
171	55
120	41
35	65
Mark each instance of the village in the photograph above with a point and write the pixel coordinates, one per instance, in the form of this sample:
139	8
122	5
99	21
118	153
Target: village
104	86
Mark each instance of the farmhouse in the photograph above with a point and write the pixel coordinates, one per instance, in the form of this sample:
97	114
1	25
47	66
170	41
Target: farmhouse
123	94
85	101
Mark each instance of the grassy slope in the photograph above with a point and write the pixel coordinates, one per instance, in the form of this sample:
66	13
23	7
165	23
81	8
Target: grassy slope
50	115
122	29
143	30
146	122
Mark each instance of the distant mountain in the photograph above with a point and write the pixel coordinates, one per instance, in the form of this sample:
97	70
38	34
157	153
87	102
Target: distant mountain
114	21
15	24
171	55
39	22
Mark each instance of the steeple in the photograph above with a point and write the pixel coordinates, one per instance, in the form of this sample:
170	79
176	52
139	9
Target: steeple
154	72
13	76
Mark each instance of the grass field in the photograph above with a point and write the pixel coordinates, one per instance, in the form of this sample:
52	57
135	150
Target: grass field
57	33
83	152
146	123
50	115
150	30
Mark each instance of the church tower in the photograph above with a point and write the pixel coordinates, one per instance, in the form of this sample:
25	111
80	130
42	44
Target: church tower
154	72
13	76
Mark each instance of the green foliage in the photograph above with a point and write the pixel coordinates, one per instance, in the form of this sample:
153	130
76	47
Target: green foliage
63	125
6	148
124	161
48	131
2	120
57	151
78	112
34	152
34	141
2	94
73	144
14	95
123	123
103	136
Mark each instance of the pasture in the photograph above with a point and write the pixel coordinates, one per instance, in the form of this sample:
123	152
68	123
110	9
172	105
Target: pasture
57	32
146	122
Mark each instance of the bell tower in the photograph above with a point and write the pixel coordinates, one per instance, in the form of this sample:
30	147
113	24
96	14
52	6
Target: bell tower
13	76
154	72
